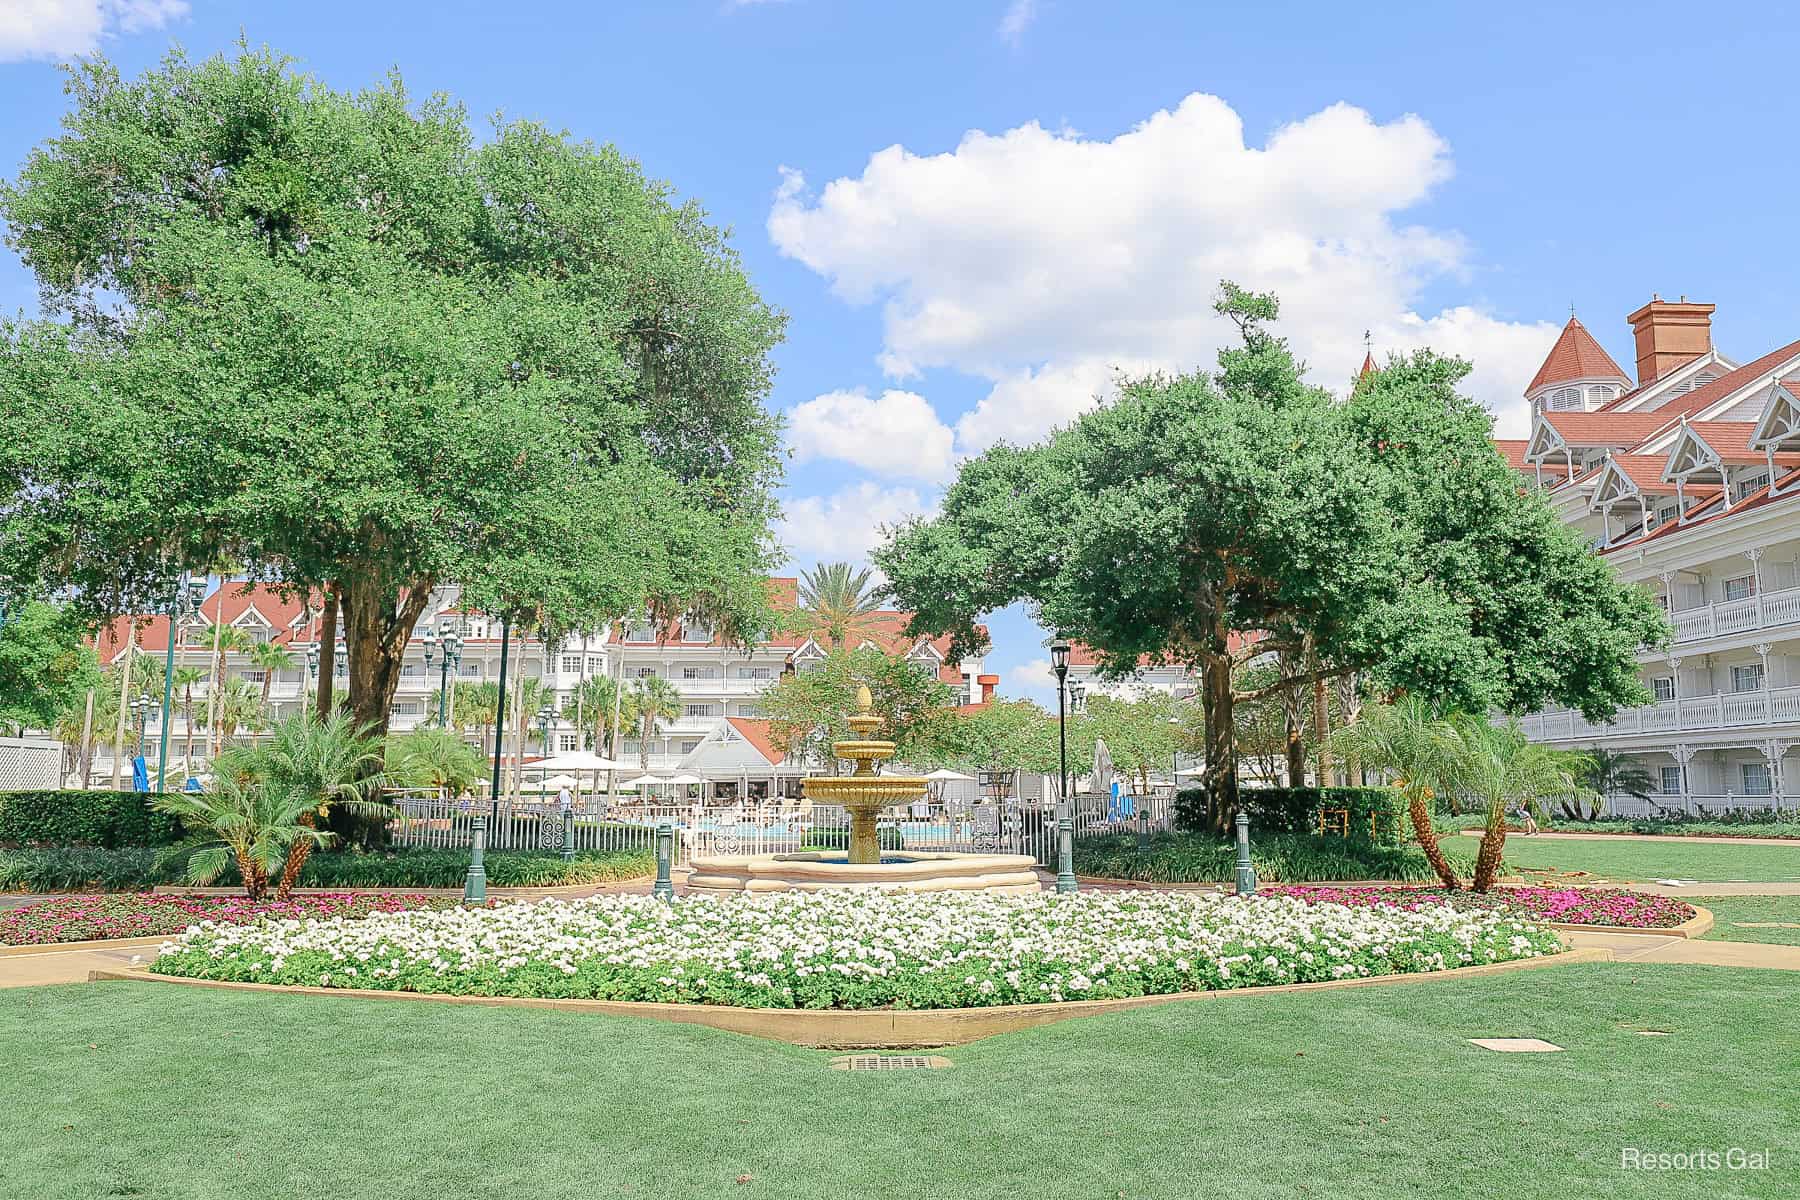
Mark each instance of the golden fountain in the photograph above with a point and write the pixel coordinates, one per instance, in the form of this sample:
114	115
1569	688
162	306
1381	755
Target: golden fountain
863	794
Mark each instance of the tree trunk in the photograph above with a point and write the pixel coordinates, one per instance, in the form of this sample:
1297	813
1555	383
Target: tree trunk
520	720
1321	730
1493	841
256	880
187	721
328	625
125	699
297	855
1220	773
1419	807
377	624
218	669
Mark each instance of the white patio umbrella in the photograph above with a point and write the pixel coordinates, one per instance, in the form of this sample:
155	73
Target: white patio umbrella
579	760
554	783
944	774
642	781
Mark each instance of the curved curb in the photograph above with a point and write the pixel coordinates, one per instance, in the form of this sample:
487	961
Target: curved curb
872	1030
1693	927
28	949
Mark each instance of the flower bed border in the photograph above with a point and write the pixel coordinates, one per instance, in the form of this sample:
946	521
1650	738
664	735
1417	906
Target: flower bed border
1693	927
873	1029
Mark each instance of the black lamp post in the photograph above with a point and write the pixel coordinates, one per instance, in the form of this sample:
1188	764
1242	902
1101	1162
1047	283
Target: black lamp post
452	654
189	594
140	712
545	715
312	673
1065	822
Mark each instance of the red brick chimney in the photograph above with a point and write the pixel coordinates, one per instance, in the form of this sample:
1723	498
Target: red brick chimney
1669	333
987	684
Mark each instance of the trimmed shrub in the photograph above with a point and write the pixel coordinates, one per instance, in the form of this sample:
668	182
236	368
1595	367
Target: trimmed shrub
94	869
1280	858
1762	823
72	817
1278	810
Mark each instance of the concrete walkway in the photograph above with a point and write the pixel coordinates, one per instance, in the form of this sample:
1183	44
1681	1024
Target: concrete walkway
68	966
1650	947
1699	891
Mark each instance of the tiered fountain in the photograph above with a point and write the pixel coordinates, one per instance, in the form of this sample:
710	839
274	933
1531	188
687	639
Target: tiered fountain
864	794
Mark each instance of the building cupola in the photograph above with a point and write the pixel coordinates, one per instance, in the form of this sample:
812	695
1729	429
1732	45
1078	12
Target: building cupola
1578	374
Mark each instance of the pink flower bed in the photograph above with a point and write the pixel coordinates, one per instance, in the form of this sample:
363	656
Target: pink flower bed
1571	906
82	918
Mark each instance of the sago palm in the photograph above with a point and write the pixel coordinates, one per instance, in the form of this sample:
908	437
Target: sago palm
322	765
1607	773
839	598
238	820
653	700
1501	767
1425	755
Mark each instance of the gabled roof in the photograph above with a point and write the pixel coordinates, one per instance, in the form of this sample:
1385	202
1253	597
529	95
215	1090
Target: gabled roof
1603	429
1513	451
1703	398
1713	508
231	603
1644	472
1576	355
756	732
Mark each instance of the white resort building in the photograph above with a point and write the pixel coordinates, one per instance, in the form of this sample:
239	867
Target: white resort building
1686	481
719	733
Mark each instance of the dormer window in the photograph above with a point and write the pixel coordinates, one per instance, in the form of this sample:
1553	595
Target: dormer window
640	630
695	630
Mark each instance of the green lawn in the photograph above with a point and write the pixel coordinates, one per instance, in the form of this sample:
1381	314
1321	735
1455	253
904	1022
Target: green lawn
158	1091
1727	911
1636	859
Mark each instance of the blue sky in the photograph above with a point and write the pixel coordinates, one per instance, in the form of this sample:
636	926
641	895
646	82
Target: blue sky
975	212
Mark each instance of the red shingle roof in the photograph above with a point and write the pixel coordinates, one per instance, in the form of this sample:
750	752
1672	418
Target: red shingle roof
1604	428
1576	355
1513	451
1705	397
756	732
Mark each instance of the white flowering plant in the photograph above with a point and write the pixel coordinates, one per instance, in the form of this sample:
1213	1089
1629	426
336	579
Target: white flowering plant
856	949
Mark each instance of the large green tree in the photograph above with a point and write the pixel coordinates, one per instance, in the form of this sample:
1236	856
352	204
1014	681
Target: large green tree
1207	519
45	667
807	711
338	338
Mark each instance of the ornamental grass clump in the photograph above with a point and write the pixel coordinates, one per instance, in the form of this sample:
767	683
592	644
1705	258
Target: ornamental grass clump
858	949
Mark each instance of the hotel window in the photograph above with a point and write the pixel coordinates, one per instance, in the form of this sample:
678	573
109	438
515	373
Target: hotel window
1565	400
570	664
695	630
567	742
253	675
409	670
643	672
701	710
1671	781
689	747
1745	487
640	631
1747	679
1756	779
754	673
1600	395
596	664
1741	588
1664	687
699	672
471	670
1667	513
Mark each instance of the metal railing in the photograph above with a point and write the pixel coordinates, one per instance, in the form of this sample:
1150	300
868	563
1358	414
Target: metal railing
1765	610
772	827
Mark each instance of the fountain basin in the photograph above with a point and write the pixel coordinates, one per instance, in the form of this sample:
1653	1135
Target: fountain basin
902	870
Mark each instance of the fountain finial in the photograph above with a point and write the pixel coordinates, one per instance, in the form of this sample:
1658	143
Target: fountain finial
864	701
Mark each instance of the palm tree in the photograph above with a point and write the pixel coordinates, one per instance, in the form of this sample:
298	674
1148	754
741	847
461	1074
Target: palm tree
320	765
1502	767
238	819
270	657
225	640
474	707
1423	751
239	707
839	599
1608	773
593	701
435	758
185	679
653	700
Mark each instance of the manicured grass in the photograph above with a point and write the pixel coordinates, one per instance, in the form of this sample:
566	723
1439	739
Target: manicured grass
1633	859
1728	910
161	1091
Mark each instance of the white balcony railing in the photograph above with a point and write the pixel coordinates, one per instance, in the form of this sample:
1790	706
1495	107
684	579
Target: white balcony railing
1723	618
1727	710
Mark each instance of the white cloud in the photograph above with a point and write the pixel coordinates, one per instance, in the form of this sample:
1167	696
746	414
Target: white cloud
1017	19
897	433
60	29
1041	260
847	524
1032	680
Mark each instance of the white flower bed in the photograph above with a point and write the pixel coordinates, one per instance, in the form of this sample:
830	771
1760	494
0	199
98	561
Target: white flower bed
857	950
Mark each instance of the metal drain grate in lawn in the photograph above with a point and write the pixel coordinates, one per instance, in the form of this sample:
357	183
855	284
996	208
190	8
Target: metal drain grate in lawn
889	1062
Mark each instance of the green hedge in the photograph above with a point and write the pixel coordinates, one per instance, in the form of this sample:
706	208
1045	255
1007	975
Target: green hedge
71	869
1280	858
1765	824
1295	810
71	817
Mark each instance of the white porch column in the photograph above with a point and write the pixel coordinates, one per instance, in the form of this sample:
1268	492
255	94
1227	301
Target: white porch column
1683	754
1675	679
1772	752
1762	652
1754	554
